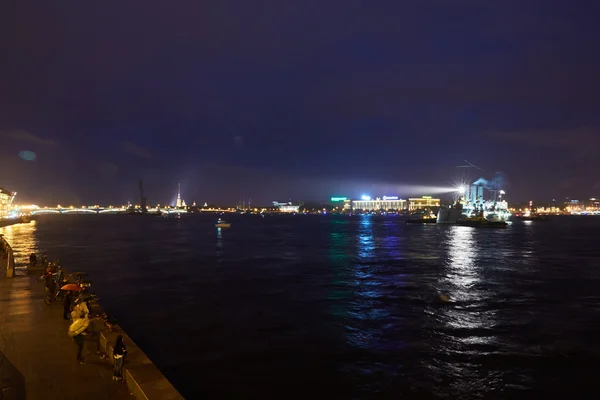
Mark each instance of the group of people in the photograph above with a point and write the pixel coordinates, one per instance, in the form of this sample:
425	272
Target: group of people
76	309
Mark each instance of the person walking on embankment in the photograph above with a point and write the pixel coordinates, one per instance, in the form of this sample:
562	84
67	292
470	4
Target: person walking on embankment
77	329
119	352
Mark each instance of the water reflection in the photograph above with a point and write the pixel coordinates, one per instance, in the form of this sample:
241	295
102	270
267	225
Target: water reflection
367	309
338	259
392	241
462	271
365	238
464	286
23	240
465	324
220	250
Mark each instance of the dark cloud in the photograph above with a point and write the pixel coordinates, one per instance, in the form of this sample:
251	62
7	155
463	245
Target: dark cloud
27	137
581	142
107	169
238	141
130	147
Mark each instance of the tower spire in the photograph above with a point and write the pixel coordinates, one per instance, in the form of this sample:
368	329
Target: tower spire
178	204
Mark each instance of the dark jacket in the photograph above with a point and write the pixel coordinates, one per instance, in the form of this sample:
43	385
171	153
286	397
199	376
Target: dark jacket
120	349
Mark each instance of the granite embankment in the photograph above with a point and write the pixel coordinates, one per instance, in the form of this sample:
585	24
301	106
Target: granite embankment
38	359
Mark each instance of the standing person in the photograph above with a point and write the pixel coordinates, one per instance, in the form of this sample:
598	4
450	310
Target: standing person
96	326
80	341
67	305
77	332
48	278
32	260
119	352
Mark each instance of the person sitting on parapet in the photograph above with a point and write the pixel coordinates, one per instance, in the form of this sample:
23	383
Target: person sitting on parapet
32	260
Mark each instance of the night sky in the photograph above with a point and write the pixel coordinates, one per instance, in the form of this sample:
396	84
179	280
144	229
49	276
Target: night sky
305	100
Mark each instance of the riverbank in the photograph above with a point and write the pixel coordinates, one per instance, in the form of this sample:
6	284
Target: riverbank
39	359
12	221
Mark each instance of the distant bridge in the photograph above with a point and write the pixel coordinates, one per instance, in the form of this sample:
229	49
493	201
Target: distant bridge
72	210
119	210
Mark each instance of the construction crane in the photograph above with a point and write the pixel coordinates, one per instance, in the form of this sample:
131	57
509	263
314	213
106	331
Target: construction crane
143	207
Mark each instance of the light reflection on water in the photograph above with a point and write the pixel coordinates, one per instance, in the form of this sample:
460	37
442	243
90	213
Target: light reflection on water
220	249
368	309
461	273
23	240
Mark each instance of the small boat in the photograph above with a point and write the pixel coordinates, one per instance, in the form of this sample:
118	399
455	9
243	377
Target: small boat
176	216
222	224
532	217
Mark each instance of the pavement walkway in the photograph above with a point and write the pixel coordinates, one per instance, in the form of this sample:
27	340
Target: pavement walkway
38	358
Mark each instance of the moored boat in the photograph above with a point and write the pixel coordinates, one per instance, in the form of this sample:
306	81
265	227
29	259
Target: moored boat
531	214
480	199
421	218
222	224
479	221
537	217
474	223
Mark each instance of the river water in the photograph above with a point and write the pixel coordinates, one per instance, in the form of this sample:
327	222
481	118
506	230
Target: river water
346	307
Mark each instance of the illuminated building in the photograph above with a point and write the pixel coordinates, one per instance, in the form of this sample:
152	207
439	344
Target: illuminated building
422	202
593	204
286	207
574	206
582	207
6	199
347	203
385	203
178	204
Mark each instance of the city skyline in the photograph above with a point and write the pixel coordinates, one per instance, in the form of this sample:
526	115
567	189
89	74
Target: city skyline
235	103
377	191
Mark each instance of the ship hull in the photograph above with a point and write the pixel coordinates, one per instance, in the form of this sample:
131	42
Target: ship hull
449	216
421	221
483	224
